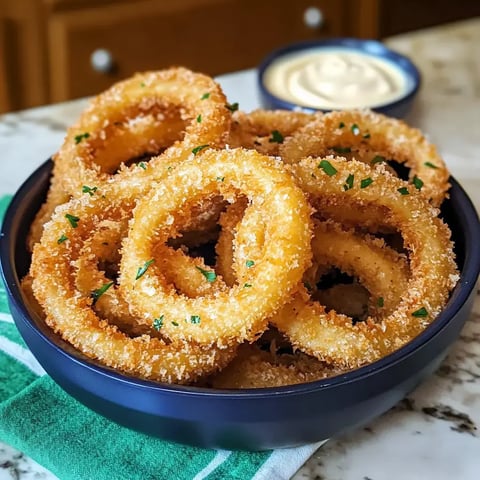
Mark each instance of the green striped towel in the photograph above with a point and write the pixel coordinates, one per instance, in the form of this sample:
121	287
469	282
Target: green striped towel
74	443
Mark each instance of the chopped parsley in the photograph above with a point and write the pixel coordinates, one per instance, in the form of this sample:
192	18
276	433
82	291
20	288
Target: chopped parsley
96	294
199	148
175	324
249	263
158	323
141	270
430	164
72	219
403	191
349	182
80	137
420	313
380	302
195	319
205	96
417	182
355	130
341	149
377	159
366	135
220	179
247	285
199	118
233	107
276	137
341	125
208	274
89	190
365	182
327	167
62	239
143	165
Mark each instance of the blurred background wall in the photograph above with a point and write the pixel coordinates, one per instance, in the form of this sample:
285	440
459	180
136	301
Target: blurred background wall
56	50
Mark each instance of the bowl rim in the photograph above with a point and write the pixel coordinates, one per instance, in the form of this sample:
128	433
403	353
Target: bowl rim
460	294
375	48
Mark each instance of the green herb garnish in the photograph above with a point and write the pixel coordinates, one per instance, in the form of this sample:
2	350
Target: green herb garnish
430	164
158	323
403	191
341	125
366	135
96	294
199	118
364	183
417	182
143	165
208	274
247	285
377	159
205	96
349	182
141	271
62	239
249	263
276	137
175	324
73	220
220	179
80	137
89	190
420	313
195	319
199	148
380	302
341	149
327	167
355	130
233	107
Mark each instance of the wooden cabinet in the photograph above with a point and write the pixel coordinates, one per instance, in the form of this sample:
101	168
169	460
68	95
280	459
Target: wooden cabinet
55	50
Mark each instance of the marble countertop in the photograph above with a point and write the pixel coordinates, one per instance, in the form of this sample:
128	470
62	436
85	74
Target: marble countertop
432	434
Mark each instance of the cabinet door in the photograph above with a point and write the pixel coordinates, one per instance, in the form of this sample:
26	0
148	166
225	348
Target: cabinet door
91	48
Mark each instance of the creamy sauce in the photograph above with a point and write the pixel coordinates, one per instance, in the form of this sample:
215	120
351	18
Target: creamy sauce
335	78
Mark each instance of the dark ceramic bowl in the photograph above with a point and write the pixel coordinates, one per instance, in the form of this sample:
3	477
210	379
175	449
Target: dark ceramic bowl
249	419
372	48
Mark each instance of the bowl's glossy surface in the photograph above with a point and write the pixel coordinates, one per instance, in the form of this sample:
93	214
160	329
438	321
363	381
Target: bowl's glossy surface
249	419
396	108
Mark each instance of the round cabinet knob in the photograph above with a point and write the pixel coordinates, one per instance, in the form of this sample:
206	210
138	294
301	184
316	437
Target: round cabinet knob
102	60
313	17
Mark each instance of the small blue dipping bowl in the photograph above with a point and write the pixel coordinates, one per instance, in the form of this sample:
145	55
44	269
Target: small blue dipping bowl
253	419
372	48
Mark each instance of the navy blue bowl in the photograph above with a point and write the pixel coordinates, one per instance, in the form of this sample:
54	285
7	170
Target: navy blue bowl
249	419
398	108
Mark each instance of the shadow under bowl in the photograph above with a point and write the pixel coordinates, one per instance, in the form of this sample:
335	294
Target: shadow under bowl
253	419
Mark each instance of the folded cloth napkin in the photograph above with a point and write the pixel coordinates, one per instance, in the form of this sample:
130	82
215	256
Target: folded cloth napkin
40	419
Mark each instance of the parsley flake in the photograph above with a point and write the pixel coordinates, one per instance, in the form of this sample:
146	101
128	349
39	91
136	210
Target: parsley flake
89	190
199	118
355	130
430	164
175	324
341	149
208	274
195	319
80	137
327	167
205	96
96	294
377	159
72	219
199	148
158	323
341	125
247	285
380	302
233	107
62	239
249	263
365	182
143	165
420	313
276	137
403	191
366	135
220	179
141	271
417	182
349	182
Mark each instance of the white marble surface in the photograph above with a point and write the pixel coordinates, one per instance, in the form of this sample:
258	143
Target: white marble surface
434	433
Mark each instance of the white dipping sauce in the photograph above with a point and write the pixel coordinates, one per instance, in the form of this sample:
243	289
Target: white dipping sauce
335	78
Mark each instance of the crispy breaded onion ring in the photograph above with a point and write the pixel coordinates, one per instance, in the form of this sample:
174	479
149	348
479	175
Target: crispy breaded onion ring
175	110
332	337
240	313
387	139
265	130
70	312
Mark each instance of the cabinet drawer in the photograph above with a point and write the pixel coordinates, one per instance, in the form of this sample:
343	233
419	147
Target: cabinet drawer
212	36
